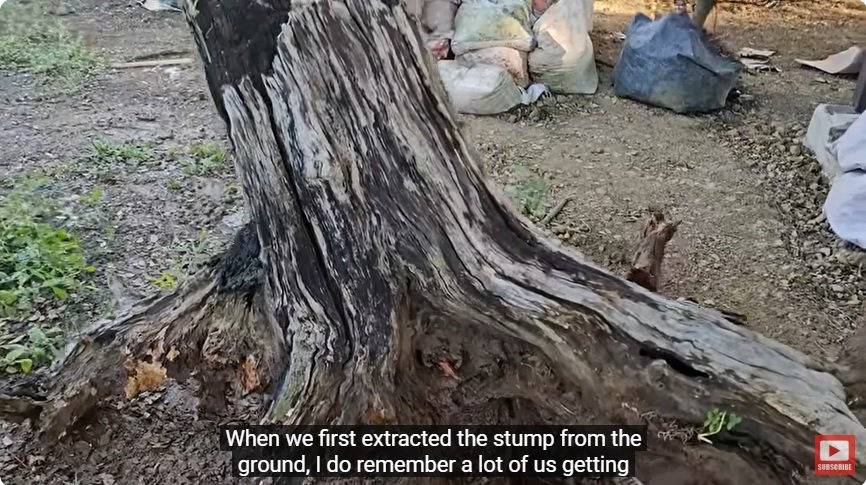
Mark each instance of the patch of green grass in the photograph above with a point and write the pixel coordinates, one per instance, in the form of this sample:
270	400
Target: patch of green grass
173	185
36	258
24	353
105	153
93	197
31	40
529	193
205	158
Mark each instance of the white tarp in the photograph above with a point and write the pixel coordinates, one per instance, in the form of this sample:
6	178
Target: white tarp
850	148
829	122
845	207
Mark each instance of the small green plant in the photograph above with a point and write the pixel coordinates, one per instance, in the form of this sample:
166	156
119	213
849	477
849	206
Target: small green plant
173	185
104	153
529	193
211	150
191	256
93	197
166	281
205	158
26	352
33	41
715	422
36	258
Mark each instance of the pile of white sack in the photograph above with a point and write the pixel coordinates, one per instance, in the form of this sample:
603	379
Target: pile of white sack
490	51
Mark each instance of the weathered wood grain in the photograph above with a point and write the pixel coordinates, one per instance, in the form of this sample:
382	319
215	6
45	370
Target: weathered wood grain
374	226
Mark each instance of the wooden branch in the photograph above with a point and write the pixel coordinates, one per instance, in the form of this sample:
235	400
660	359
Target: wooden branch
555	211
153	63
646	267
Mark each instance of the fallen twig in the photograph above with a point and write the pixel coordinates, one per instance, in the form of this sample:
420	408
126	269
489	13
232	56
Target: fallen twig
555	211
153	63
159	55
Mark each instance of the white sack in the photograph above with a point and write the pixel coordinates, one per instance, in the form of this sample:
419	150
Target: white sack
438	17
481	89
512	60
492	23
563	59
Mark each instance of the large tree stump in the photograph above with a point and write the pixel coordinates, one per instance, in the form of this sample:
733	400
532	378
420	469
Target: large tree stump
379	256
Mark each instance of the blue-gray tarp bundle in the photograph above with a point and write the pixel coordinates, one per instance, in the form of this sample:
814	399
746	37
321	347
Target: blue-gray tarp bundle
671	63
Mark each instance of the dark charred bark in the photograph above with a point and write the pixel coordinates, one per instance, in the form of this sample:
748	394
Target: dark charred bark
393	285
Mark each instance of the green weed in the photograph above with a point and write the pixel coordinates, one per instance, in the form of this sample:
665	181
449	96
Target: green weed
104	153
31	40
26	352
93	197
205	158
36	258
187	258
166	281
716	421
529	193
173	185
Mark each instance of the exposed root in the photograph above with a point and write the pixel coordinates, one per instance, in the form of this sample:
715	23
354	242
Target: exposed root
646	268
214	328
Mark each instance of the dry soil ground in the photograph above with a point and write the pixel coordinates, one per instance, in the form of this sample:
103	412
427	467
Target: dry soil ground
751	241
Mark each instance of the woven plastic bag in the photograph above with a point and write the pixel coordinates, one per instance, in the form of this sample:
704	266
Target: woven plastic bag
513	60
438	17
492	23
481	89
563	58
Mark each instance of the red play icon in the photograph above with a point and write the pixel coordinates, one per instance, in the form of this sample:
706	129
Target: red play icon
834	455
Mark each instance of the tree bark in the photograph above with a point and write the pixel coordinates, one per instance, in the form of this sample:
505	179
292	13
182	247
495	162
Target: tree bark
383	281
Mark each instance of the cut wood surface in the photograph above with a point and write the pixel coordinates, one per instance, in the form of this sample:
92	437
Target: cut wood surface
377	249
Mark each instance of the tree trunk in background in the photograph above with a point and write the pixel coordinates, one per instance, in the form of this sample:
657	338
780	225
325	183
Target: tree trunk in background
393	285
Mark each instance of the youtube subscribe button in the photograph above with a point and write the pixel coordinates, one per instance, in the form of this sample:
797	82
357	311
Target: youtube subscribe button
834	455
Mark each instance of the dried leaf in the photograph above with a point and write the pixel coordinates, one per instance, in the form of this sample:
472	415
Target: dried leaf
144	376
